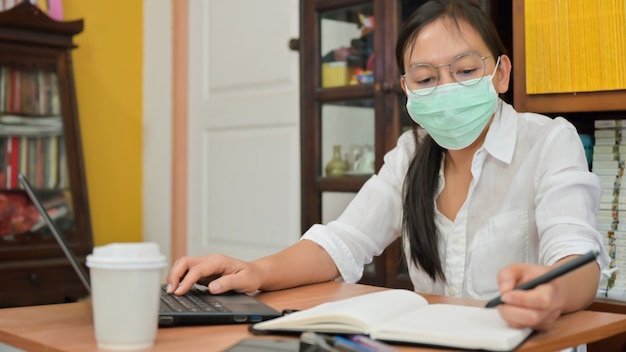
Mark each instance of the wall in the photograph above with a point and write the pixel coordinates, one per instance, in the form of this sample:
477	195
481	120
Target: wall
161	122
108	75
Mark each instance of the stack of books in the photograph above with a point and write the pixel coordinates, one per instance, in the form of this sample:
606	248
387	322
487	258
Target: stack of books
609	159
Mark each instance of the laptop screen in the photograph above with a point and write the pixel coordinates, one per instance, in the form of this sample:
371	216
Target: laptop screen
84	278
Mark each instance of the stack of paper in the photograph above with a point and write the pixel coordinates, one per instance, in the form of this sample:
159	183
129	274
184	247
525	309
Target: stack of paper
609	157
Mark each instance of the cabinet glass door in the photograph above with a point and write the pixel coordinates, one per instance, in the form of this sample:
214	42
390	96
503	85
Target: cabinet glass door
32	144
352	109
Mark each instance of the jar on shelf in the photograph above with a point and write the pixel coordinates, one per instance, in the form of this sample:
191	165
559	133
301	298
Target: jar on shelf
337	166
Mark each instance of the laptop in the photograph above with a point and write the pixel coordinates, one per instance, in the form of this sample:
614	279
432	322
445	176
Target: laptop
197	307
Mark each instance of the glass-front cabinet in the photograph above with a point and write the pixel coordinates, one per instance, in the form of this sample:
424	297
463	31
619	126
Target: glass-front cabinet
40	139
352	108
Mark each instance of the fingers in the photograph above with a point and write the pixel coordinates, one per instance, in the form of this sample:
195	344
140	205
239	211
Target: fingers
227	283
239	276
177	272
219	272
186	271
523	317
533	308
539	298
537	308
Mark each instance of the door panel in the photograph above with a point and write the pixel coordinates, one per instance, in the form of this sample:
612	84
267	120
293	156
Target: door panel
243	192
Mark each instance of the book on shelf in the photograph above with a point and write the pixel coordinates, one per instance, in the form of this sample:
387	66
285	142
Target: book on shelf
615	124
37	157
31	128
29	91
398	315
609	149
611	214
613	199
609	141
606	157
615	133
605	172
13	156
606	164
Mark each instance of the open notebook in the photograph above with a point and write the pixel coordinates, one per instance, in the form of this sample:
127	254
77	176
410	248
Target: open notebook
196	307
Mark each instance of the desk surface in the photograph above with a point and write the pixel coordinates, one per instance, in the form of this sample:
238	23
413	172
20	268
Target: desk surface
69	327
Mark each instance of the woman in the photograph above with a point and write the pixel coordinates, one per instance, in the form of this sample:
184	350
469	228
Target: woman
486	199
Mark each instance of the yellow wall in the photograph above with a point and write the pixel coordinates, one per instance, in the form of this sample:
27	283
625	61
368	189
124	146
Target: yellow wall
108	75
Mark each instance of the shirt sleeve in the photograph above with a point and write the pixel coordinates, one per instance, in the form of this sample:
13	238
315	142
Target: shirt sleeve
568	198
372	220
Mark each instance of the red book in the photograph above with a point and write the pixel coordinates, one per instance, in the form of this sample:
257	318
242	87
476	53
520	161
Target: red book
13	167
3	161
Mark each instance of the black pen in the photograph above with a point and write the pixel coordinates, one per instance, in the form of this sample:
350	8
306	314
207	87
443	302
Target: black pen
550	275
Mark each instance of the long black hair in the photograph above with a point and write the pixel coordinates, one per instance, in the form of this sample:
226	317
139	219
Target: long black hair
421	182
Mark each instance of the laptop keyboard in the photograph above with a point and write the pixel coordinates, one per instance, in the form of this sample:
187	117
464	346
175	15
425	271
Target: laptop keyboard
193	301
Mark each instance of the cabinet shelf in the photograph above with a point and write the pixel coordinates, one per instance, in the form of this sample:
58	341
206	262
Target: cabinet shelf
363	91
341	184
325	5
604	101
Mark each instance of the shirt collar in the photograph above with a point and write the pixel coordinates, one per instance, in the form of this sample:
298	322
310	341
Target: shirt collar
502	134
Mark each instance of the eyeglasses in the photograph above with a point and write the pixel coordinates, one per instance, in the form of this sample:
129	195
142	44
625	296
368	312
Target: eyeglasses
467	69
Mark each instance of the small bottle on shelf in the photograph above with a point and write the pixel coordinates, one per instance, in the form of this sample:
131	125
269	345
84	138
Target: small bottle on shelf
336	166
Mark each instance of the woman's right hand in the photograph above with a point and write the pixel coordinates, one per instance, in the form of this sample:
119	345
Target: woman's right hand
303	263
219	272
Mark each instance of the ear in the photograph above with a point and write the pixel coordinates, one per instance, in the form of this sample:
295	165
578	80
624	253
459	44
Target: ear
503	76
403	86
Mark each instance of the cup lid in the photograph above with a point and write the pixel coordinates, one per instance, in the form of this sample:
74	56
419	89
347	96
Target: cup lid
126	255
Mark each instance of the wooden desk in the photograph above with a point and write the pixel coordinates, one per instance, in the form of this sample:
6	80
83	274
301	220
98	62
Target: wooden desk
69	327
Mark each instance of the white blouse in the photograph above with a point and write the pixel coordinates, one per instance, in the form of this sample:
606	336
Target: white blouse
532	199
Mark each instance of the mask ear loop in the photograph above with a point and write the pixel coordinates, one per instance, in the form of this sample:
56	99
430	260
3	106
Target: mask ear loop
496	68
500	101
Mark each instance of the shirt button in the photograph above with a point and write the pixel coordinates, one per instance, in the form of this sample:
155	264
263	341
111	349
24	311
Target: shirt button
453	291
456	240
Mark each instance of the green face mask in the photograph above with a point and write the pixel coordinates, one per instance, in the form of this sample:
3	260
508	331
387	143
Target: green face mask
454	115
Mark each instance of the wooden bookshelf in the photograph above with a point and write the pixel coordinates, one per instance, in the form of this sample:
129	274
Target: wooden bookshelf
40	137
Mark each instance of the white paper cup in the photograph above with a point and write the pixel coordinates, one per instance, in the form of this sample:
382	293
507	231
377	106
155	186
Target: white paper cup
125	289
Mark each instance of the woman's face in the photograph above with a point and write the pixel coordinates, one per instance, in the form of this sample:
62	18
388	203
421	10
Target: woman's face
441	41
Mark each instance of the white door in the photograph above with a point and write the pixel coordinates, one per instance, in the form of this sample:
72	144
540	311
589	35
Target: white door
244	164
